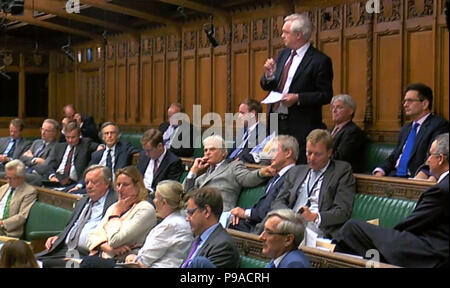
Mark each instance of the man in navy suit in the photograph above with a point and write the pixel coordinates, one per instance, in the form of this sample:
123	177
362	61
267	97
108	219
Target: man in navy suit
283	232
284	154
156	163
252	134
87	126
420	240
14	146
117	154
417	103
304	76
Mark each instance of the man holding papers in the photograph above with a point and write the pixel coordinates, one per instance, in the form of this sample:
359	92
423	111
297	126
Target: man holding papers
304	76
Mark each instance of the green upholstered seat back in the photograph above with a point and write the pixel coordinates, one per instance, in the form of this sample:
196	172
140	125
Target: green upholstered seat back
45	220
390	211
375	154
248	262
132	137
250	196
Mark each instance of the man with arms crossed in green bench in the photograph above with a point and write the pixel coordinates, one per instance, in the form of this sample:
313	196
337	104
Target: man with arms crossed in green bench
420	240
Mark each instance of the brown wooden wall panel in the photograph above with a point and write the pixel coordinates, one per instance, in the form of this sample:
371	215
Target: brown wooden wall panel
333	50
444	104
146	85
158	93
220	86
110	93
356	71
241	78
188	92
205	83
389	84
121	94
420	57
133	80
259	58
173	81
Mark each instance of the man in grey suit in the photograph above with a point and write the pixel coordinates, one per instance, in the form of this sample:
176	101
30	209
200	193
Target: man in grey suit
214	171
14	146
37	157
212	243
322	191
99	197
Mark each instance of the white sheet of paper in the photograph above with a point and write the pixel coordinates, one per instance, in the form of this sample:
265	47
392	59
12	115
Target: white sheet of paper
225	219
273	97
311	237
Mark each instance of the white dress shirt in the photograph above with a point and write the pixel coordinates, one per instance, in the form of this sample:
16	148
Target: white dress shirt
148	176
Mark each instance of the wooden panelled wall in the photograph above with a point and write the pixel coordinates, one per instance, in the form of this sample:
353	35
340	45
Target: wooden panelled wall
131	81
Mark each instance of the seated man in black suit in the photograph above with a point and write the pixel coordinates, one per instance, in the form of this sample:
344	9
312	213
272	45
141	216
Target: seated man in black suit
177	137
252	134
156	163
117	154
212	242
37	157
69	159
87	127
415	138
284	153
72	239
420	240
14	146
349	140
322	191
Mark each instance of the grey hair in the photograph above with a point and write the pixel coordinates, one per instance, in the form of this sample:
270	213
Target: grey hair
106	173
291	223
300	23
109	123
347	100
18	165
218	141
288	143
442	145
52	122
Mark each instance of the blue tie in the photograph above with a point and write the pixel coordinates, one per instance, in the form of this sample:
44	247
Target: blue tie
10	149
402	169
39	151
109	159
271	264
239	149
272	182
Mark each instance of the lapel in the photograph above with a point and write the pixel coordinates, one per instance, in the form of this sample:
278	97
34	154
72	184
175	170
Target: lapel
15	199
219	170
301	177
420	135
305	62
117	153
3	190
282	61
327	176
162	166
211	237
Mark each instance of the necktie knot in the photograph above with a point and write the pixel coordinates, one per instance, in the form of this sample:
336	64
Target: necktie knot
293	53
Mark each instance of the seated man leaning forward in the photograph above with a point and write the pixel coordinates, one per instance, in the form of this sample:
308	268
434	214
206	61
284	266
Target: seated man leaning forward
283	232
213	170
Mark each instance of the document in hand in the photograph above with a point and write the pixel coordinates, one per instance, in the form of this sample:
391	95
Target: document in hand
273	97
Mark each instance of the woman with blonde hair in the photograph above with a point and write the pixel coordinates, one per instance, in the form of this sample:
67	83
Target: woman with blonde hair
168	244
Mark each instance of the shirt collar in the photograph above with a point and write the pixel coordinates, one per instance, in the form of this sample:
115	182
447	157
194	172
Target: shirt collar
443	176
285	169
205	235
162	156
339	126
421	120
278	260
302	50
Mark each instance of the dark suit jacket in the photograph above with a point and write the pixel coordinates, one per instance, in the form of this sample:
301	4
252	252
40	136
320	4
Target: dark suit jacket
220	249
21	147
41	169
89	129
182	151
336	194
255	137
170	168
295	259
431	127
111	197
313	82
123	155
82	156
349	145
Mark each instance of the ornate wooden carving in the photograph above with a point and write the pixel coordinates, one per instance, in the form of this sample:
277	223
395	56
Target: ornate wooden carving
420	8
110	51
333	22
356	15
147	45
133	49
277	26
160	45
368	115
203	41
391	10
189	40
122	47
172	44
240	33
221	34
260	29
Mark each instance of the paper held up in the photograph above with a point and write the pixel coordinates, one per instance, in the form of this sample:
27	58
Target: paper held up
273	97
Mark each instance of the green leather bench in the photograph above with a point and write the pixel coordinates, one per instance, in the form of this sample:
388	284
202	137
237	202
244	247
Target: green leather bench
132	137
250	196
45	220
375	155
249	262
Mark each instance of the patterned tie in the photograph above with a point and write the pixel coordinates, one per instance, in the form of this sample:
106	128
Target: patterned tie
39	151
10	152
193	249
271	264
155	167
286	71
402	169
66	176
109	159
74	236
334	132
241	146
272	182
8	203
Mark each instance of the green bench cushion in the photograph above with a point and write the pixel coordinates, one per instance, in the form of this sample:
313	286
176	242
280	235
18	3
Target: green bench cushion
132	137
250	196
45	220
390	211
375	155
248	262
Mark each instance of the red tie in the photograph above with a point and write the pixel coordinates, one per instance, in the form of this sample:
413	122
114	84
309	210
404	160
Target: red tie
66	174
286	71
155	167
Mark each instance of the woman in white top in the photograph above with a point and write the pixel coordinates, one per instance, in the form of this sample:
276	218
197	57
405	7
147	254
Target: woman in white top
168	244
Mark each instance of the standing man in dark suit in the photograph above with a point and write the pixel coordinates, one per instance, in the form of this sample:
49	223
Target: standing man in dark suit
283	232
69	159
284	157
116	155
156	163
322	191
99	197
349	140
415	138
14	146
87	127
420	240
304	76
212	242
177	134
252	134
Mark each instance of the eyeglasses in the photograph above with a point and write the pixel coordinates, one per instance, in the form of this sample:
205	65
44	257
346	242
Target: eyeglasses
191	212
409	101
270	232
433	154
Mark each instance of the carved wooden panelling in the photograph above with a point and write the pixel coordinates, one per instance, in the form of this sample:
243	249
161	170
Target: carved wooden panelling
356	15
420	8
277	26
330	18
391	10
147	47
240	33
189	40
260	29
133	49
160	45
